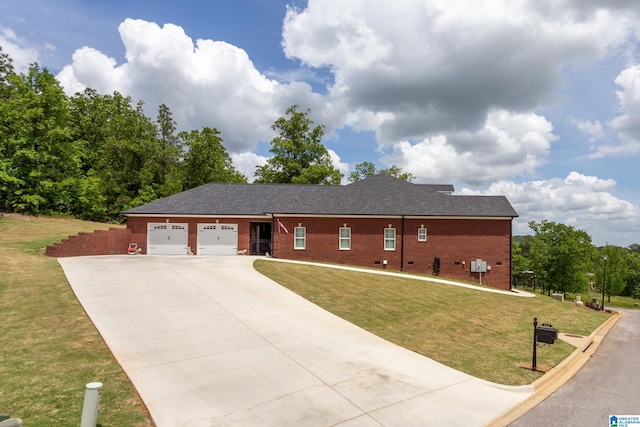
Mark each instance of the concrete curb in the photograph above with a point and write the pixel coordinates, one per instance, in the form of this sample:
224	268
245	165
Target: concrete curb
559	375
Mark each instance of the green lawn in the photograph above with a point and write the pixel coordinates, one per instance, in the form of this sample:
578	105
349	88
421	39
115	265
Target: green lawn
49	349
484	334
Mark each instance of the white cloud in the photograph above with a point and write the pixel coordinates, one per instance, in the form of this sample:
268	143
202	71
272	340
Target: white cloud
18	50
246	163
441	66
427	88
92	69
339	164
628	123
508	145
582	201
206	83
593	129
450	89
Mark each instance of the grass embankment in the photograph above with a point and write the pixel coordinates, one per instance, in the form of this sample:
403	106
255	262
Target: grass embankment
49	349
483	334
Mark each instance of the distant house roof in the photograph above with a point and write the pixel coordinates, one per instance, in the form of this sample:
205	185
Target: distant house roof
380	195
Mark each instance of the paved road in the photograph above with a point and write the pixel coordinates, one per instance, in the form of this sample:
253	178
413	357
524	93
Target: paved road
609	384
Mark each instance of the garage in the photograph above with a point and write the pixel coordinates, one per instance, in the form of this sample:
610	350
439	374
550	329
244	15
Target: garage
217	239
167	239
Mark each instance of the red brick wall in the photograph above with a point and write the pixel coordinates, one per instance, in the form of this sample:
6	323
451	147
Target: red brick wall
454	240
100	242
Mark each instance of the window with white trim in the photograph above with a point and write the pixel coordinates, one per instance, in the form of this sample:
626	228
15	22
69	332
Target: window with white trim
422	234
345	238
300	238
389	239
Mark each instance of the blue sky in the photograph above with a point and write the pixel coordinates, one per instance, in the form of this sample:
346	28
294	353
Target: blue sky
534	100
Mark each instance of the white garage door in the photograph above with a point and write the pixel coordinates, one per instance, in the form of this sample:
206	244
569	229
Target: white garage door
167	239
217	239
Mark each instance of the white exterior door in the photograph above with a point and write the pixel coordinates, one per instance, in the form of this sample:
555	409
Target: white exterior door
167	239
217	239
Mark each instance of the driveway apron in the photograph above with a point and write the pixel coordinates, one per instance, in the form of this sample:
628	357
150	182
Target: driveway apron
208	341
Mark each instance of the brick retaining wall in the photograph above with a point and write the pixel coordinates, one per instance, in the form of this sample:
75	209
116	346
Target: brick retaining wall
101	242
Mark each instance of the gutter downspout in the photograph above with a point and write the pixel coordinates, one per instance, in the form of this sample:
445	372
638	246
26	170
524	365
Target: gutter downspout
402	246
510	253
273	235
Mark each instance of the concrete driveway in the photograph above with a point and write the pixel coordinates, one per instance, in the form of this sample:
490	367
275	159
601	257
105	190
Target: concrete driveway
208	341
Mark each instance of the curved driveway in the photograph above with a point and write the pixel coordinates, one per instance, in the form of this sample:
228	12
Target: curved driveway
208	341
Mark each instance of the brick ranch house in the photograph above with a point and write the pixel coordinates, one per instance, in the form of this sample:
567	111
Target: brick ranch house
380	222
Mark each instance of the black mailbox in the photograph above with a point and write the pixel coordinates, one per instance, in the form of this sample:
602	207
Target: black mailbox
546	334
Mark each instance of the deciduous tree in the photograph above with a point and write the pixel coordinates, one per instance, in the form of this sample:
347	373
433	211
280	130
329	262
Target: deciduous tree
632	287
206	159
299	156
519	264
361	171
617	270
91	155
170	151
561	256
6	70
121	149
41	162
366	169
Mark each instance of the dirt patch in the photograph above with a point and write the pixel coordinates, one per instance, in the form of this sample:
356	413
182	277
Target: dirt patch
539	368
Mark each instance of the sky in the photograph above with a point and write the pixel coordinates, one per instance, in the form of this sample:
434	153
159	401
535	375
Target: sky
536	100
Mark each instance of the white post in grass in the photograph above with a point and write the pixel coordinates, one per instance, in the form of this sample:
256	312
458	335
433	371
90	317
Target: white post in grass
92	394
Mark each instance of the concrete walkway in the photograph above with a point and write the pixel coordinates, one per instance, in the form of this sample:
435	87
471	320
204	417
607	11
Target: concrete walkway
512	292
207	341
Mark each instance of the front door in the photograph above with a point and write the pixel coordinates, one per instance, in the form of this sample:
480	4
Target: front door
260	238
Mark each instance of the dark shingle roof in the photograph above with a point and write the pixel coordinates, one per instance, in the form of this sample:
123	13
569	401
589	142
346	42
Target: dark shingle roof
377	195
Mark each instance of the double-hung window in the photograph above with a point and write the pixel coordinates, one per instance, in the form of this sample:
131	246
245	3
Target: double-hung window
300	238
422	234
389	239
345	238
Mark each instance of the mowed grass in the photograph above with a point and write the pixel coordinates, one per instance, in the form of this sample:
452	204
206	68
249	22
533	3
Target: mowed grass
486	335
49	349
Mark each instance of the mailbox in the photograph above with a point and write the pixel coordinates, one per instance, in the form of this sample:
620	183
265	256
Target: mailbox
546	334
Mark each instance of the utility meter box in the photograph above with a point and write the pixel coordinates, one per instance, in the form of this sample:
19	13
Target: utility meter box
478	266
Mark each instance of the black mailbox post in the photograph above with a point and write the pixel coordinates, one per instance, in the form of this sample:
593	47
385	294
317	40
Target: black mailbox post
544	333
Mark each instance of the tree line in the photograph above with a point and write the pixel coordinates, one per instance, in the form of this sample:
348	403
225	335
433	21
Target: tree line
92	155
561	258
